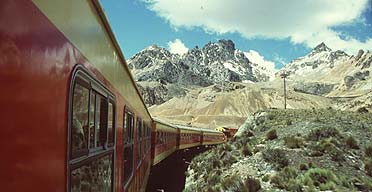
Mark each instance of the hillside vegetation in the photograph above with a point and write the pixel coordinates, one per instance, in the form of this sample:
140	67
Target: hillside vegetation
290	150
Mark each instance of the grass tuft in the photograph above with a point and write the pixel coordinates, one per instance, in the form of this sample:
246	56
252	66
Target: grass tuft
276	157
351	142
294	142
271	135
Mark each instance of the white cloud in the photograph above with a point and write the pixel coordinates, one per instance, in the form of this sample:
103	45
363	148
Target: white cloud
303	21
177	47
279	60
255	57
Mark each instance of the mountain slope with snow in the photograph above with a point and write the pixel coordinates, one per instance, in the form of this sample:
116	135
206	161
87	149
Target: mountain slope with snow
319	61
214	63
349	75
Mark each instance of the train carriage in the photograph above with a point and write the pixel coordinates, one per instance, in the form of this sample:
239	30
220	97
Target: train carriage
72	117
165	141
189	137
211	137
66	87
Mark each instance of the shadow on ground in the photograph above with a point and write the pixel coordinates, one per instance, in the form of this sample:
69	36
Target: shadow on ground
169	175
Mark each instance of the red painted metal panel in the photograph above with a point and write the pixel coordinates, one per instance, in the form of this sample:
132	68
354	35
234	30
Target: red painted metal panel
36	61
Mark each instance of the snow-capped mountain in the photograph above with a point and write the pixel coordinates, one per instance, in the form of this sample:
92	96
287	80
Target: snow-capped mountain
335	72
261	68
320	60
214	63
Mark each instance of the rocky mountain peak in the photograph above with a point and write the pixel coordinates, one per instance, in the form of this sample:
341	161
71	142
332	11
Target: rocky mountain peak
153	46
321	47
320	60
215	62
227	44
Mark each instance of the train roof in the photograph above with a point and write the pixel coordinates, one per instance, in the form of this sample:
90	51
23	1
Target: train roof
186	127
162	122
211	131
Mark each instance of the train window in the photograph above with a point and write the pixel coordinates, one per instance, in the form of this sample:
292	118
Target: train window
89	170
80	118
101	121
93	176
111	125
128	147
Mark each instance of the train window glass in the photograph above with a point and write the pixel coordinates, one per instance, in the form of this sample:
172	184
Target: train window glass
111	125
128	147
91	120
139	139
101	120
79	125
98	121
93	176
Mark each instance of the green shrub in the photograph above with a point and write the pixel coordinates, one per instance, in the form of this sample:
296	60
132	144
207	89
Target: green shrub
311	165
227	147
294	185
249	133
346	182
232	183
320	133
303	167
213	178
252	184
228	158
294	142
216	163
286	179
246	150
276	157
328	146
322	178
266	178
271	135
368	166
368	150
367	182
288	122
351	142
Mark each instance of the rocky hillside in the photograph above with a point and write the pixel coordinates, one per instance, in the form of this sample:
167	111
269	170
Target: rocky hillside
290	150
229	104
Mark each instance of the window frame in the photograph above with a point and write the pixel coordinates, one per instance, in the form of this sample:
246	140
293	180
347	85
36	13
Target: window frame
83	77
127	182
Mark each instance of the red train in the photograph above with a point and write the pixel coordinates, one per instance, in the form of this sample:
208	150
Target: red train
72	118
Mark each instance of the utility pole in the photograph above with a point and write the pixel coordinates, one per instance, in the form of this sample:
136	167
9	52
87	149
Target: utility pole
284	75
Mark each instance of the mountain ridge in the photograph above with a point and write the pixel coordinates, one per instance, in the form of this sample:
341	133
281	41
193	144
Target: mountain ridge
213	63
218	85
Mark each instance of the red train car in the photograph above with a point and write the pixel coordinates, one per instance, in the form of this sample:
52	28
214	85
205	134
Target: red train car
70	108
72	117
165	141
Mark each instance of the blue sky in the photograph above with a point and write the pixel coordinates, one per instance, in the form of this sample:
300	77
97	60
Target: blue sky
279	31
